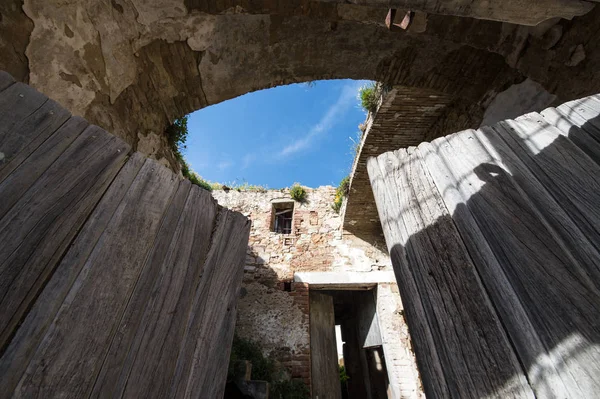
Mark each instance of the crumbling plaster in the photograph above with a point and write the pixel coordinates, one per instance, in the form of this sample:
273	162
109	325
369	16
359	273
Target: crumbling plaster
278	319
133	66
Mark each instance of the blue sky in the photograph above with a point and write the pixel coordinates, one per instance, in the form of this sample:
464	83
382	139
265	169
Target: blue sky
278	136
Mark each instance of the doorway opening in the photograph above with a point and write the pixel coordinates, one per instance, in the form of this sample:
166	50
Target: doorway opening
346	321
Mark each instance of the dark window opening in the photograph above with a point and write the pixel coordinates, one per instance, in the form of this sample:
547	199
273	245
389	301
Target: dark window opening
287	286
283	213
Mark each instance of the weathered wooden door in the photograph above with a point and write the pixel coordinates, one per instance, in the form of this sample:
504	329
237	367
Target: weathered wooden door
323	351
118	278
494	235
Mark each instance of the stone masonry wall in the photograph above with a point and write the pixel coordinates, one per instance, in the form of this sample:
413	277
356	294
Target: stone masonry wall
274	311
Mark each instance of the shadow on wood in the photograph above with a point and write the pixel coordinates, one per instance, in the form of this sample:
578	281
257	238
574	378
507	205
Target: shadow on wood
494	239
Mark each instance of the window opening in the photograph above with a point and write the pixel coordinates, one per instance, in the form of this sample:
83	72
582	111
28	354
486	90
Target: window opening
283	214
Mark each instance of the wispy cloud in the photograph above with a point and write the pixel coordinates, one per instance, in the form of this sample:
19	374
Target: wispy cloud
247	160
225	164
345	100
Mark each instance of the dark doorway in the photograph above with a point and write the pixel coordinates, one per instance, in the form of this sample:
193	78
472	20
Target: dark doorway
363	358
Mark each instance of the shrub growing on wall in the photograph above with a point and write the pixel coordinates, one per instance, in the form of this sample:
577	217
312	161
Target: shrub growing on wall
177	134
340	193
298	193
264	369
369	97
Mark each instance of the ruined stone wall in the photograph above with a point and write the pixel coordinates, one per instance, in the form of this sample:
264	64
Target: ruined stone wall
267	313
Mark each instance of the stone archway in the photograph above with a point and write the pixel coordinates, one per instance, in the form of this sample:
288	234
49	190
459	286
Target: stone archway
132	66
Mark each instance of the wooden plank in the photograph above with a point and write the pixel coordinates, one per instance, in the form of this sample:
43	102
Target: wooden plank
29	335
27	135
512	312
6	80
518	236
69	358
17	183
167	316
457	304
324	360
17	103
576	129
587	109
124	349
368	324
204	354
396	237
563	169
48	216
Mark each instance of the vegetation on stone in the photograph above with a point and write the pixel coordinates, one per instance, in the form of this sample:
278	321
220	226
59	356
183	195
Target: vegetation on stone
177	134
340	193
298	193
265	369
369	97
243	349
289	389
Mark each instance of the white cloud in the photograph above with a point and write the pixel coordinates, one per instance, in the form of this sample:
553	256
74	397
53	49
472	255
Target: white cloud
345	100
247	160
226	164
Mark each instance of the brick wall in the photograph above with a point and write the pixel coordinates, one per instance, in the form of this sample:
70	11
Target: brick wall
277	319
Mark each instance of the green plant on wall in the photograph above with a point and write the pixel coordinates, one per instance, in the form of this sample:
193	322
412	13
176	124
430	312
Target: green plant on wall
340	193
264	369
289	389
369	97
177	134
298	193
343	375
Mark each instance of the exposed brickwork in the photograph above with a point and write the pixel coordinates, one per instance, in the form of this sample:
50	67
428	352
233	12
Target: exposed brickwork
299	362
279	319
405	118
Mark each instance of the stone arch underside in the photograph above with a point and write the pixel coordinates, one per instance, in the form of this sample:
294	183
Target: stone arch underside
133	66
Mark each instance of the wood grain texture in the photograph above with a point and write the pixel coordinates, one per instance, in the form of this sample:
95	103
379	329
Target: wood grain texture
562	169
324	362
17	103
427	349
48	219
124	347
533	259
454	299
5	80
201	368
27	135
510	309
117	278
70	356
167	315
22	178
582	132
29	335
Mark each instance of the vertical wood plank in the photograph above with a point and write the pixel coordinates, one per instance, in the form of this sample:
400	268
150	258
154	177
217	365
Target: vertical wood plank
455	300
210	328
585	133
5	80
123	350
324	360
167	315
48	219
29	335
27	135
552	179
396	237
518	236
69	358
18	182
17	103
